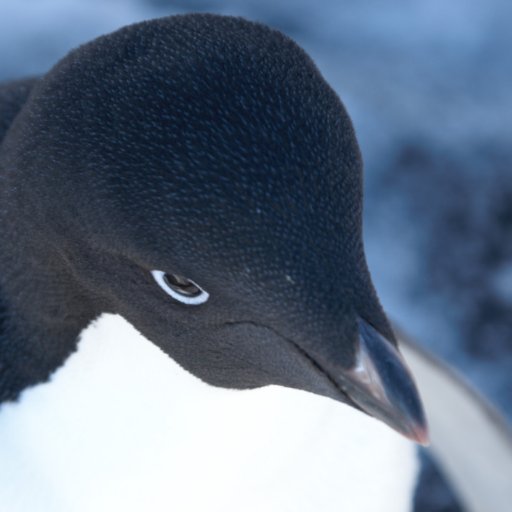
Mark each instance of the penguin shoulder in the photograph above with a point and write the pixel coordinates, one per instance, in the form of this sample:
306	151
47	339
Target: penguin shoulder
13	95
136	430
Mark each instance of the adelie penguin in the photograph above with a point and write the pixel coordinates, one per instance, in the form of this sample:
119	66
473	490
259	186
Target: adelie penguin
181	218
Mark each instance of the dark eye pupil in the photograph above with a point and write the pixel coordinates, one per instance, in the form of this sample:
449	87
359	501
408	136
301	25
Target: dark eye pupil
182	285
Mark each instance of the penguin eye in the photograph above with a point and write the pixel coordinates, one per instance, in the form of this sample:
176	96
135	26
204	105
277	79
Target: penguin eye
180	288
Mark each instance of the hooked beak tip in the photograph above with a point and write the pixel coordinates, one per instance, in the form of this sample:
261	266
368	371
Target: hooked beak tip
419	435
381	384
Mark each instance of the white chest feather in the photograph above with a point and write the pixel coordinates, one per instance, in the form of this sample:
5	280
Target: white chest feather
122	427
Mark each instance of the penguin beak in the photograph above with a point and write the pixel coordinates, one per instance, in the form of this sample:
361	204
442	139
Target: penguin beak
381	384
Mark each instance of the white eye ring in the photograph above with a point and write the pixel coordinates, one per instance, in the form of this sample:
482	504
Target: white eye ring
182	289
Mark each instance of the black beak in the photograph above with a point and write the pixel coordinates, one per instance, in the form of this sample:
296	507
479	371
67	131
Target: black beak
381	384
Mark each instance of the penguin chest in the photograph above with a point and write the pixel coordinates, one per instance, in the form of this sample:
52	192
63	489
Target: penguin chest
122	427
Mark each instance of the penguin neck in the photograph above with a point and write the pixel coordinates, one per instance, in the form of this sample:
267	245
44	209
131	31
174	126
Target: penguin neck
42	307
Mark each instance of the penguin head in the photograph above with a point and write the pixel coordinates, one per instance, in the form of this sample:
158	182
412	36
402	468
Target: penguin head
209	189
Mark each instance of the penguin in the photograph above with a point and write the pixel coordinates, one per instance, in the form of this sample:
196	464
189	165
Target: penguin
181	223
471	441
12	97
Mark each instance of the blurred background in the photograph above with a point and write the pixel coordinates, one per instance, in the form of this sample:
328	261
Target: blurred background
428	84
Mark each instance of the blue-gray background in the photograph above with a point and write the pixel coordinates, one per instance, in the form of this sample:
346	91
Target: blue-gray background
428	84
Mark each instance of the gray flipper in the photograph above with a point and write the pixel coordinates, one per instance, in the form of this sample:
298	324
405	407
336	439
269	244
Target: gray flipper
12	98
469	439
